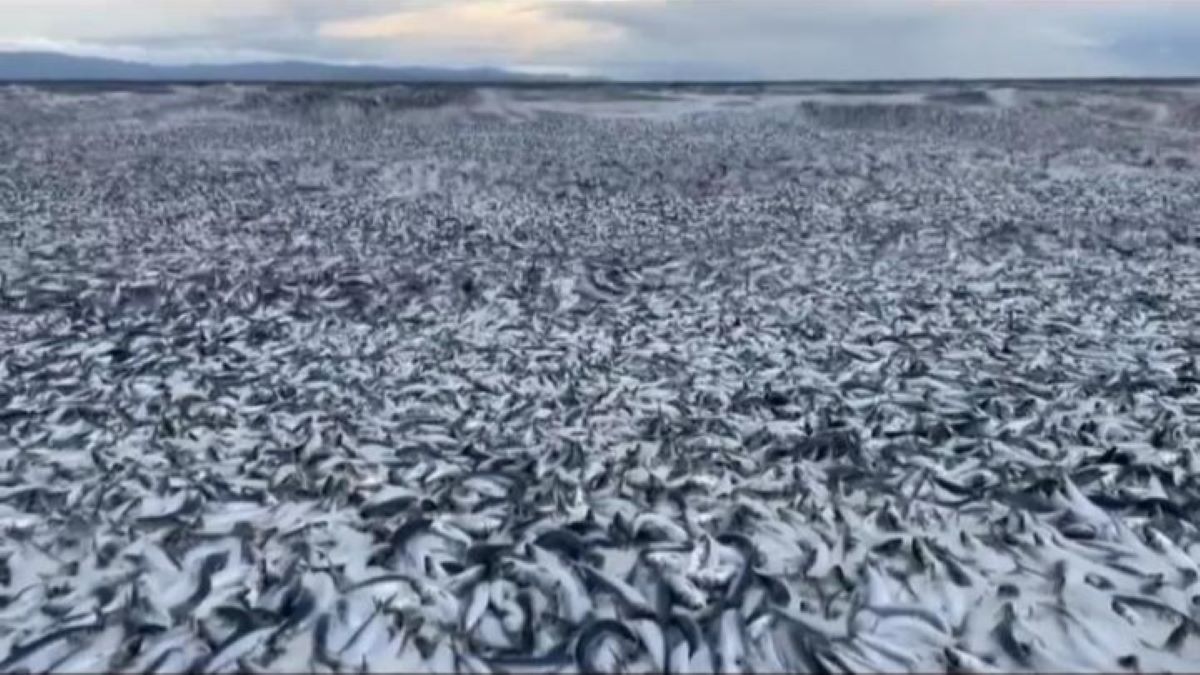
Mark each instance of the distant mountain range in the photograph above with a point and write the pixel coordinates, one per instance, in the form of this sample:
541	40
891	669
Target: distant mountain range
29	66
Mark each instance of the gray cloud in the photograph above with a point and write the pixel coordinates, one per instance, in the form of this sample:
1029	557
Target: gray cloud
657	39
882	39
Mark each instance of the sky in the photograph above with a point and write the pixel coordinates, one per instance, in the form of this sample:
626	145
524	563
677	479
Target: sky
639	39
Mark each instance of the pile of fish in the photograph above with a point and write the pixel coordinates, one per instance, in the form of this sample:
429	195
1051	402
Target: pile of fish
752	415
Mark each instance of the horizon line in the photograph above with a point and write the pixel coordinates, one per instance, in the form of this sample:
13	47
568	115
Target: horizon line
522	80
504	75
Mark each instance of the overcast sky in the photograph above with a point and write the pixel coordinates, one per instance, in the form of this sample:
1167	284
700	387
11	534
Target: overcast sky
640	39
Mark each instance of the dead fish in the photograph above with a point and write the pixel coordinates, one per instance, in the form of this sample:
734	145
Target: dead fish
46	650
590	653
688	649
731	647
